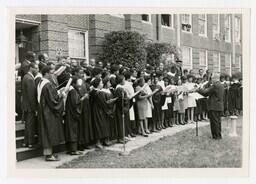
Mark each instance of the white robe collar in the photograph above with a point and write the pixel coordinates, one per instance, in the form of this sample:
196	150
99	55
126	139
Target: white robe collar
40	87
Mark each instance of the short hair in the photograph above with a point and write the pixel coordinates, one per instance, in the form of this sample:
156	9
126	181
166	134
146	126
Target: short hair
185	70
127	75
95	82
74	80
147	78
46	69
114	68
75	70
96	71
105	80
139	81
32	65
119	79
30	56
41	57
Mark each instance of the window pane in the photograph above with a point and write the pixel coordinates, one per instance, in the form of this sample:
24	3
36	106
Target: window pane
165	20
201	27
216	62
145	17
202	58
227	62
186	57
76	44
215	19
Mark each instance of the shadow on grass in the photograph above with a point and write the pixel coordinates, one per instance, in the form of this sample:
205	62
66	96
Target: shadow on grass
182	150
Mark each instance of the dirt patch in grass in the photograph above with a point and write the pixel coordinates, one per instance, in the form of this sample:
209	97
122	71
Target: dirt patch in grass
182	150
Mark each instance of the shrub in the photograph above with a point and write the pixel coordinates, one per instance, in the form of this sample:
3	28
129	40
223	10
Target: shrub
159	52
124	47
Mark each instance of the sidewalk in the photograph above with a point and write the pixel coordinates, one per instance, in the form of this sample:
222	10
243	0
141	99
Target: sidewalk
39	163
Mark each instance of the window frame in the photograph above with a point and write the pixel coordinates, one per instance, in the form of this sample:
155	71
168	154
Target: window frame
229	20
205	25
86	45
219	61
117	15
149	19
239	30
172	19
229	64
190	58
238	65
190	22
218	24
206	58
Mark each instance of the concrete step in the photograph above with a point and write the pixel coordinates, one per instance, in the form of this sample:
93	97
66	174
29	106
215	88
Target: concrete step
27	153
19	128
20	141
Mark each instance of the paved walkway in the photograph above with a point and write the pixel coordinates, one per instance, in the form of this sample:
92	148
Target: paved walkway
139	141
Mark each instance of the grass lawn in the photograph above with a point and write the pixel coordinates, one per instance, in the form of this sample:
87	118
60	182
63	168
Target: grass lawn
182	150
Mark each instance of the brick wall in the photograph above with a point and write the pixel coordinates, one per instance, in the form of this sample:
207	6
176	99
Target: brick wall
52	34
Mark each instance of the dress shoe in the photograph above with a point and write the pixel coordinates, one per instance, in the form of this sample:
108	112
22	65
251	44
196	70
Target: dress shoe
51	158
75	153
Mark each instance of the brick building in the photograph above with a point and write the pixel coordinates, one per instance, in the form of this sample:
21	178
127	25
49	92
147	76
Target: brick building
206	40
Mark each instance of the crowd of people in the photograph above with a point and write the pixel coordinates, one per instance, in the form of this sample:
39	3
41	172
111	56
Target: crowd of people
96	105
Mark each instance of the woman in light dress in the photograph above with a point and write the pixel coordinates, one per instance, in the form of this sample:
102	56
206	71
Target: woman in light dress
150	105
143	107
191	100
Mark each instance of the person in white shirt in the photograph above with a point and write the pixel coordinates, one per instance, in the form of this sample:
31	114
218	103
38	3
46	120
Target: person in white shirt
128	86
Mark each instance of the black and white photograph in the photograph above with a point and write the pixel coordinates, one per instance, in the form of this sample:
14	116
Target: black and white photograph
154	89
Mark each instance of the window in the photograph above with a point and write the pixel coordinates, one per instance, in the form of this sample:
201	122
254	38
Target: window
238	62
237	30
187	57
216	27
167	20
203	59
146	18
118	15
186	22
78	44
227	19
202	24
228	63
216	62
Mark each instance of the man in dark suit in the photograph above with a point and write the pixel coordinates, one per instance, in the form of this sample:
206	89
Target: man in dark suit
215	91
24	68
29	104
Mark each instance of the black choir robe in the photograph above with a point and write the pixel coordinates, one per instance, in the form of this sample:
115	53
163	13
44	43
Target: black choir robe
99	117
72	116
120	108
110	114
50	111
86	134
158	101
233	100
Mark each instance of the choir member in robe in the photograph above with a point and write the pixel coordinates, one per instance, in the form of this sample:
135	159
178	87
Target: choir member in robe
50	115
72	116
98	108
158	102
122	108
86	134
234	96
110	111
